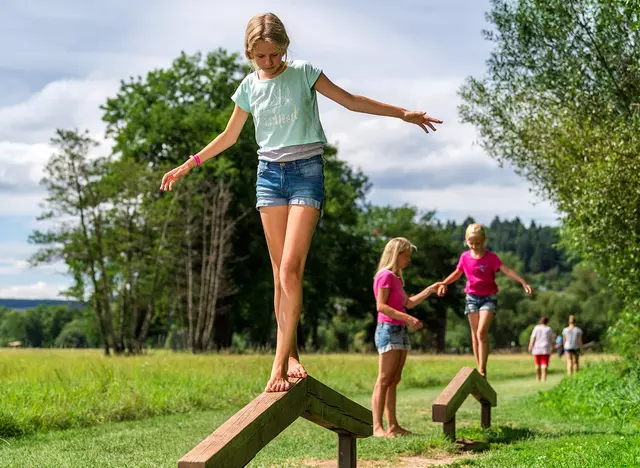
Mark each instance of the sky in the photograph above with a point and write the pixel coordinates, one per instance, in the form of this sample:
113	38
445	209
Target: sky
59	61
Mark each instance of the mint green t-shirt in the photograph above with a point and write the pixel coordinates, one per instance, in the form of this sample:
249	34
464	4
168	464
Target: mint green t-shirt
285	108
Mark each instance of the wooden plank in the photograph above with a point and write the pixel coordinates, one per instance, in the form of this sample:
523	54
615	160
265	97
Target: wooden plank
485	416
454	394
347	451
334	411
467	381
484	392
242	436
449	428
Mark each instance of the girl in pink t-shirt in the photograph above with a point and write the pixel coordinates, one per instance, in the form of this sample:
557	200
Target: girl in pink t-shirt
480	267
392	338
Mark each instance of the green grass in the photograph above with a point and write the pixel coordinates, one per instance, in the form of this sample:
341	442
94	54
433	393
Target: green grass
609	390
525	431
56	389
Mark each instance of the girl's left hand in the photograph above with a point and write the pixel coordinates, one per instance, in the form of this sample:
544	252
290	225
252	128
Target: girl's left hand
421	119
527	289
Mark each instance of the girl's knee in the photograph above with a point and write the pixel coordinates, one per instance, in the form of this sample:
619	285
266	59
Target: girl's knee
385	381
482	335
290	274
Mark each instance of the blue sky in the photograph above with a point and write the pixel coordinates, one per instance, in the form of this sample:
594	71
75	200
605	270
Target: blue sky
59	61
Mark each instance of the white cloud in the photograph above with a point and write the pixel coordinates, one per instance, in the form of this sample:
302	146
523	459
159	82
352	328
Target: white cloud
64	104
14	260
481	202
39	290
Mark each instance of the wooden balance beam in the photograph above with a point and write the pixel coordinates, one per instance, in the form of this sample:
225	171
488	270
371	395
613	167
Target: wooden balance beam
240	438
466	382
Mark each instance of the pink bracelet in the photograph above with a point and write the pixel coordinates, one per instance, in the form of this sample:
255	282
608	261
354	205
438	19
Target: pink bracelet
197	159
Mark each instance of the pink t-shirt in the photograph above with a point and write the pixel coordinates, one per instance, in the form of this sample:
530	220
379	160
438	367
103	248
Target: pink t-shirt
386	279
480	273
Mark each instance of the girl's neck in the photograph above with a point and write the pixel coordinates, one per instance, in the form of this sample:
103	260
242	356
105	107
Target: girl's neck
478	253
265	76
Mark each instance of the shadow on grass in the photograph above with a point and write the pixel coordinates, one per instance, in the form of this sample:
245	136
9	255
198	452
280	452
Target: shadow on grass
498	434
508	434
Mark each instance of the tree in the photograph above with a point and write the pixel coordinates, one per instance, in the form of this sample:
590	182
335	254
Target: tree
560	103
74	201
158	121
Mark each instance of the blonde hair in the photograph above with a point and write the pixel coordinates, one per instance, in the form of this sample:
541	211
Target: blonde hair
475	230
265	27
389	258
572	320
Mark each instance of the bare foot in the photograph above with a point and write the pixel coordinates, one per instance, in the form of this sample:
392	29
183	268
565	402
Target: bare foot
397	430
382	433
277	383
295	369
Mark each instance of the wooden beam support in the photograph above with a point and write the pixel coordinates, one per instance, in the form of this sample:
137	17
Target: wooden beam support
347	450
466	382
485	416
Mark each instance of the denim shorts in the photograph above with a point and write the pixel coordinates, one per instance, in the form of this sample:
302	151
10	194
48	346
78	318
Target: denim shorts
389	336
291	183
475	303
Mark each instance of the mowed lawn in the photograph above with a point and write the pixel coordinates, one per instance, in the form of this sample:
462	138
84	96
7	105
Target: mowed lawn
175	400
60	389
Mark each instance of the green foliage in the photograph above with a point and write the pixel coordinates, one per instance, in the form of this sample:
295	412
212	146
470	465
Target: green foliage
606	390
559	102
625	334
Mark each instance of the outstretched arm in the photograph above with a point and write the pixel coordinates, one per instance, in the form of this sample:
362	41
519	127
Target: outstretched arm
416	299
220	143
514	276
453	277
365	105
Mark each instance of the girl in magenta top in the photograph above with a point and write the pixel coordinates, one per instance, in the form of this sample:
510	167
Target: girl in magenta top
480	266
392	338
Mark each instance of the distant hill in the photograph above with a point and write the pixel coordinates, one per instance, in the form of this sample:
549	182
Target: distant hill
24	304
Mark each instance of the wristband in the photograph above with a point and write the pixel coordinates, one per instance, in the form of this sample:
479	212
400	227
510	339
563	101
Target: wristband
196	158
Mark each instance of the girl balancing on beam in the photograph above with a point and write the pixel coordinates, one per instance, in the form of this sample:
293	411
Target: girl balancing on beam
281	94
480	266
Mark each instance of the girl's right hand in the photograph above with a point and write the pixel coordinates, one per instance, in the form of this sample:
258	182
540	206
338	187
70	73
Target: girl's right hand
170	177
414	323
442	290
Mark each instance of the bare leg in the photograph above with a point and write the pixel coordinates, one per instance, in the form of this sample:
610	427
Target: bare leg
390	405
569	363
300	225
483	339
387	367
544	373
538	372
576	363
274	222
474	318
